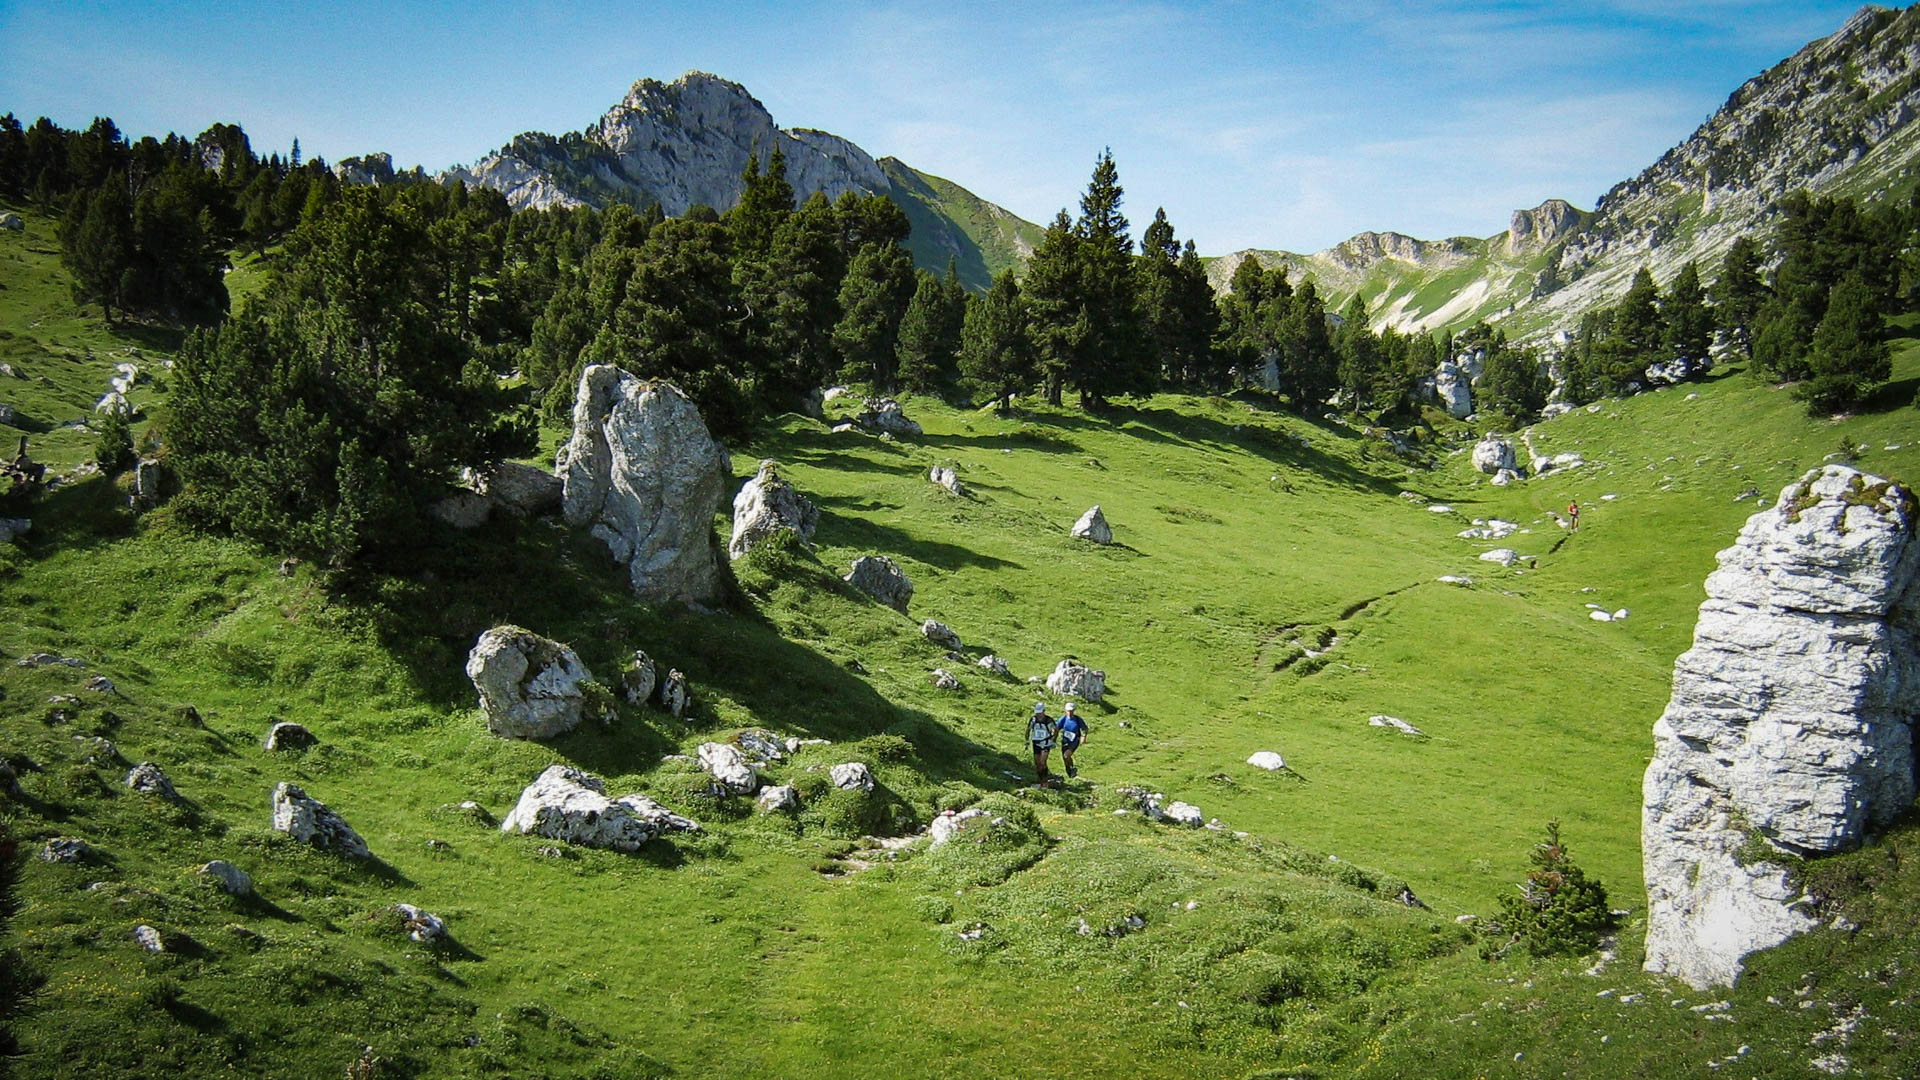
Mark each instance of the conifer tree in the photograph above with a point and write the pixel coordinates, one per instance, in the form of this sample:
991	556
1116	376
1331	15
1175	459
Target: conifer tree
929	336
873	297
97	241
1848	356
1739	294
1056	308
996	353
1112	357
1687	322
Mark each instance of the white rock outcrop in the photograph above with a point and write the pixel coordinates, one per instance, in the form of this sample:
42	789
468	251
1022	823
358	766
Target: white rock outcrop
1093	526
880	578
941	634
1493	454
646	477
567	804
729	767
944	476
777	798
885	415
1790	727
310	821
849	775
1452	385
530	687
766	504
641	676
1070	679
1268	760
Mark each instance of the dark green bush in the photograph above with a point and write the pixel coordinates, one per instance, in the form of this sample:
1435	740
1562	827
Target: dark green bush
1557	908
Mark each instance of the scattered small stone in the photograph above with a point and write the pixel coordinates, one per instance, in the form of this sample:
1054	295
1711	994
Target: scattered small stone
944	680
1440	508
675	695
941	634
1600	616
945	477
232	880
1093	526
880	578
1268	760
852	774
638	680
43	659
1187	814
421	925
149	779
1455	579
729	767
1070	679
1503	556
287	735
310	821
995	664
65	849
149	938
776	798
99	684
1395	723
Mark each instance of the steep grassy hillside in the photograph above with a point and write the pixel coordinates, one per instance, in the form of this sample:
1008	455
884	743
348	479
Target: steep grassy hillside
1270	588
950	222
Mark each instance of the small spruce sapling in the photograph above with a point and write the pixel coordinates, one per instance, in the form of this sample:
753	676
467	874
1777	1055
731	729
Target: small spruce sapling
113	451
1557	909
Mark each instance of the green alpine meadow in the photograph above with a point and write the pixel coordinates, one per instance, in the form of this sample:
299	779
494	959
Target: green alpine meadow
581	614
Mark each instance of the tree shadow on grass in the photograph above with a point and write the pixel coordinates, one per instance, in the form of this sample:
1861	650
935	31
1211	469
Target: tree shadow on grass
564	585
856	530
75	517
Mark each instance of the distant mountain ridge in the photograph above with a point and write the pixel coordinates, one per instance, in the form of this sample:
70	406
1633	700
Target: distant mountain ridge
688	142
1835	118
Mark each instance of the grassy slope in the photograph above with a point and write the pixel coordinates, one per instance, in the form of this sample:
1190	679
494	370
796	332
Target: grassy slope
950	222
1242	532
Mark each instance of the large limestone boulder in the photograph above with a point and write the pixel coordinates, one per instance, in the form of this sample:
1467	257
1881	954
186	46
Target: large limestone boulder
1790	727
519	490
530	687
645	476
766	504
729	767
565	803
1075	680
878	577
1093	526
1493	454
1453	387
885	415
310	821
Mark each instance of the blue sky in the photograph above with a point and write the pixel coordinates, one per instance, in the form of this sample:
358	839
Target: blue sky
1283	124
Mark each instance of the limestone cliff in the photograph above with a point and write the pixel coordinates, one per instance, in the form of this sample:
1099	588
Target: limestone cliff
687	143
1790	729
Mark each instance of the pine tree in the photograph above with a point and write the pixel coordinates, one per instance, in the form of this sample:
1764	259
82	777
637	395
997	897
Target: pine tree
1305	349
1113	357
1687	322
1514	384
996	353
326	415
1558	909
1848	356
1739	294
1056	305
97	242
929	336
873	297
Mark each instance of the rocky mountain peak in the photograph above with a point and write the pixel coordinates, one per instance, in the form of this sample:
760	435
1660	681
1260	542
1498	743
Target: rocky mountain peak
1541	227
1367	248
